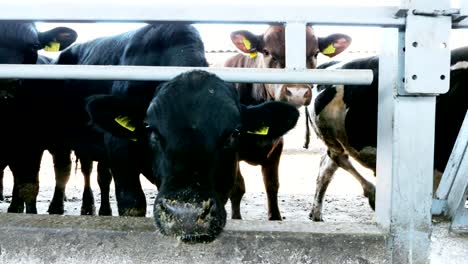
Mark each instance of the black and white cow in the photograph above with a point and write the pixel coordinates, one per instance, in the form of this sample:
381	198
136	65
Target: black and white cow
189	137
345	118
21	132
268	51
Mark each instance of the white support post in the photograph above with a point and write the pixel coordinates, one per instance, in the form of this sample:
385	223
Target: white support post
404	159
295	37
406	124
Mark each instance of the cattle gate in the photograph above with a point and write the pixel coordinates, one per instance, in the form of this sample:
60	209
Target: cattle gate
411	31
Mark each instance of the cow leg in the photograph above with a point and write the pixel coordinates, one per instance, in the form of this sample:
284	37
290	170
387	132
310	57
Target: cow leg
104	178
1	186
16	204
130	197
124	164
368	187
87	204
26	183
2	168
271	181
62	169
236	196
326	171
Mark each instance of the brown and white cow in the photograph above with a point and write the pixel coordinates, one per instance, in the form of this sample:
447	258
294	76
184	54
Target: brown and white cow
268	51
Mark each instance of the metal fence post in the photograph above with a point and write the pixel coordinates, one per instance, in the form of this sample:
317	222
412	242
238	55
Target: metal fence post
295	36
408	83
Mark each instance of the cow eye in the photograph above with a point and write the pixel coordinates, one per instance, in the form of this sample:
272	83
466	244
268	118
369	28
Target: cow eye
266	52
154	134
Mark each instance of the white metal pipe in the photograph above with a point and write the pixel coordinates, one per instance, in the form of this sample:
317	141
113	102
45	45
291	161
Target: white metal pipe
147	73
204	11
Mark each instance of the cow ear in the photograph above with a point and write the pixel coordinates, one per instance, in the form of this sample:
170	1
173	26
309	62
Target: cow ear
334	44
118	115
57	39
270	119
247	42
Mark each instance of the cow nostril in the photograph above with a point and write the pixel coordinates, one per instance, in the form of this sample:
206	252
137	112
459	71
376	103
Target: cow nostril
187	212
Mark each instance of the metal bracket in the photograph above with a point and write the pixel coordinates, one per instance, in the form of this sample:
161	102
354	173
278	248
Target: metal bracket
427	53
443	12
455	13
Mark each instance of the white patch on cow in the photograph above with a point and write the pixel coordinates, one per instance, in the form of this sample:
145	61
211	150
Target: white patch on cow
459	66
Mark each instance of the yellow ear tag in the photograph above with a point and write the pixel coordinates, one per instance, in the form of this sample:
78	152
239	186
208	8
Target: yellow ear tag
53	46
248	46
124	121
329	50
261	131
247	43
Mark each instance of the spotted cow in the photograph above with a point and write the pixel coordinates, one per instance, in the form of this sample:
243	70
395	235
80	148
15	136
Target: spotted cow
345	118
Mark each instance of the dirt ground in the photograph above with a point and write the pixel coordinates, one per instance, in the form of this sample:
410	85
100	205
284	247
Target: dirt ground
298	168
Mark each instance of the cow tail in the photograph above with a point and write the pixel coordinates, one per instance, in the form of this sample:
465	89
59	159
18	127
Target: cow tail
76	163
307	134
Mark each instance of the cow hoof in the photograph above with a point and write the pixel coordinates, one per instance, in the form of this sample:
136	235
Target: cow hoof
56	209
105	211
236	217
275	218
88	210
31	209
315	216
371	197
15	209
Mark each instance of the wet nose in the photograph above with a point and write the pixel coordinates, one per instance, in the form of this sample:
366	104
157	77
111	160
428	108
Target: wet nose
187	218
298	94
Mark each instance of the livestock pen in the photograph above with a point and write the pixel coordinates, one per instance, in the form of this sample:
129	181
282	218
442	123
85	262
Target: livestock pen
403	225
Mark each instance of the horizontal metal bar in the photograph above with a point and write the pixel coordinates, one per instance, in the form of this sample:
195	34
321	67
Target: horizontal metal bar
202	11
149	73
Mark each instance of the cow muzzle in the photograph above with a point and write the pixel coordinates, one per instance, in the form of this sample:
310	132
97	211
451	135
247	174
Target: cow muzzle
189	221
296	94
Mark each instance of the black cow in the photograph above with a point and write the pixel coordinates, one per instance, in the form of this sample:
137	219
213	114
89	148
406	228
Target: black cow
345	118
189	137
268	51
21	148
156	44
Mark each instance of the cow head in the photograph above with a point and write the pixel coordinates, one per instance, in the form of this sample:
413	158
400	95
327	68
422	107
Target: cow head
268	51
19	43
190	132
